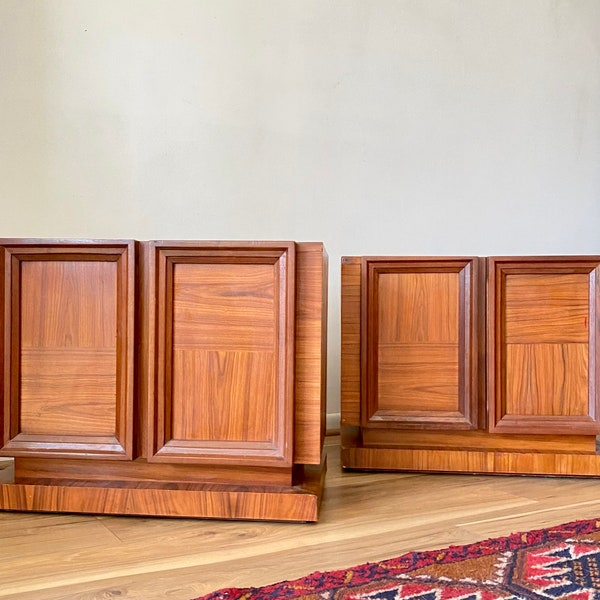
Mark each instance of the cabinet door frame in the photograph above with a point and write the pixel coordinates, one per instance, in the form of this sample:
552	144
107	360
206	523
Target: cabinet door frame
160	444
13	253
501	422
469	414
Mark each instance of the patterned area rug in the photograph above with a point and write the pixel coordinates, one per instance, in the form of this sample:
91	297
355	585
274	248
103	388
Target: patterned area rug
559	562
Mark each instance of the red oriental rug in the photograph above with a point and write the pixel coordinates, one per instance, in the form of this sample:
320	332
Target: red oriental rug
559	562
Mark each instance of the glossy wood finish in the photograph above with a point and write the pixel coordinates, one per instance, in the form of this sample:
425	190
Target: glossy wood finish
224	353
418	342
228	415
541	394
28	470
68	348
365	517
467	452
543	344
312	272
169	499
350	393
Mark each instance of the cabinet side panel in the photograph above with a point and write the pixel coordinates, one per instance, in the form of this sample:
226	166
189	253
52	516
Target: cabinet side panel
350	317
311	352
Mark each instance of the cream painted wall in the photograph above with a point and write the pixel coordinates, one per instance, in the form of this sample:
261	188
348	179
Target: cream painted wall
383	126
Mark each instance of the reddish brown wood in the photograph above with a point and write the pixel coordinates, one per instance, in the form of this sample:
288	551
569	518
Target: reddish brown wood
479	440
466	460
227	420
542	350
311	352
224	353
350	342
68	348
30	469
172	500
419	342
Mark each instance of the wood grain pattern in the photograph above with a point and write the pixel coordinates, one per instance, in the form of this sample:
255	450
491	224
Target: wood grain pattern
416	459
68	303
225	350
68	334
210	397
311	352
418	377
468	458
419	342
546	308
224	353
68	391
218	381
68	353
417	308
542	349
224	307
542	365
350	341
461	460
281	505
26	470
479	440
547	379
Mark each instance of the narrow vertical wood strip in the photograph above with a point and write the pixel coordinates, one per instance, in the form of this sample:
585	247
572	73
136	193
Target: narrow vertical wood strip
350	334
311	352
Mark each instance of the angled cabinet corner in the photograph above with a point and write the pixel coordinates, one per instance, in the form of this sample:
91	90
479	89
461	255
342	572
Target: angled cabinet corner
68	333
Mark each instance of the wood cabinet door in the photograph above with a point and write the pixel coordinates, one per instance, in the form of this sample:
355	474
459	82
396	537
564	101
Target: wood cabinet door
68	327
219	328
419	343
543	367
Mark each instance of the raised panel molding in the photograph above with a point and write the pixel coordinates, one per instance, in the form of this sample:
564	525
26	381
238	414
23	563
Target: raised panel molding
534	342
170	378
543	369
420	326
223	354
68	336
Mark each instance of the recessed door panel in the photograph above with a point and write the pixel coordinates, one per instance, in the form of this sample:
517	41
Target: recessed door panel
418	340
225	338
68	364
542	349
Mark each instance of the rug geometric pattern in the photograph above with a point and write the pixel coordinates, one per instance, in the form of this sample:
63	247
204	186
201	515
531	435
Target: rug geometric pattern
560	562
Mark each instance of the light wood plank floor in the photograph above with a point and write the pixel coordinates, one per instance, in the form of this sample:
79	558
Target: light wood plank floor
365	517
